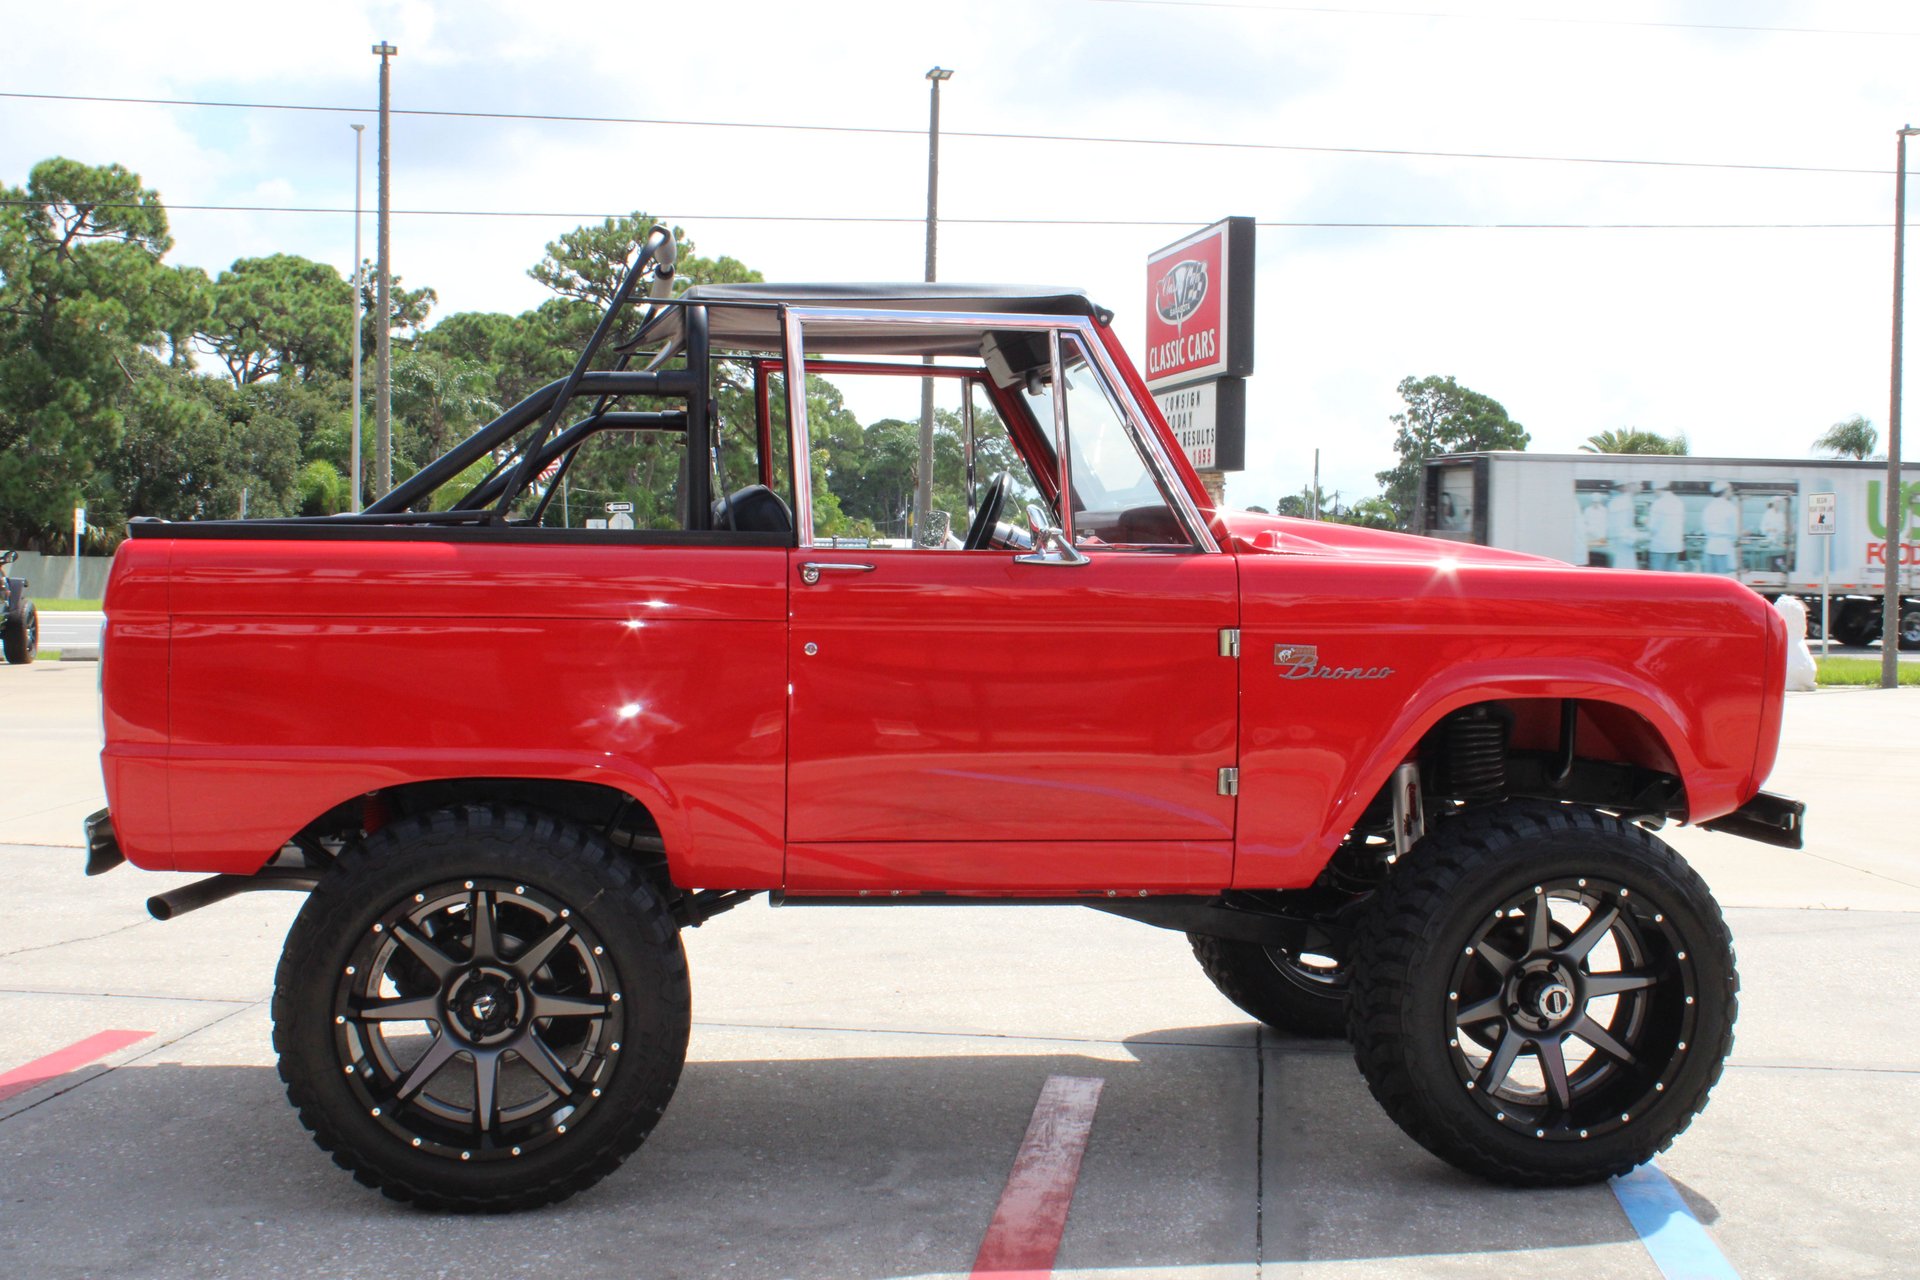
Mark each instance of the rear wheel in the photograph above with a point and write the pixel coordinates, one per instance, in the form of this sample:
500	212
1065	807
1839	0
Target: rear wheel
1910	629
481	1009
1301	994
20	638
1543	995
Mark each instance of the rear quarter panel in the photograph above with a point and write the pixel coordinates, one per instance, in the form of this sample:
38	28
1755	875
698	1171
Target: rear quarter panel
302	674
1690	654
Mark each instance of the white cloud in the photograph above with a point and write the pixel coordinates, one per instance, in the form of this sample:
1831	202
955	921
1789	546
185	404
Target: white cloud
1750	341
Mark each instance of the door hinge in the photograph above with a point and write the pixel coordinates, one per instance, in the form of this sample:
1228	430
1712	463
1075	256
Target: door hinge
1229	642
1230	782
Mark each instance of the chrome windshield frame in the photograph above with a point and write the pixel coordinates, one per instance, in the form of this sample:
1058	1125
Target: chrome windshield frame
1133	417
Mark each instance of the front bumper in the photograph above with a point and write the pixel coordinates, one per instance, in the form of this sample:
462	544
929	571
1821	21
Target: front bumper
1768	818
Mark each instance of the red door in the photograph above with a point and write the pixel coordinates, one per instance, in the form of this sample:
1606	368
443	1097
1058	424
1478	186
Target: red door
961	721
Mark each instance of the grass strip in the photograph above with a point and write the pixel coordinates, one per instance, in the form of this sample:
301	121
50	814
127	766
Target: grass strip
66	606
1863	672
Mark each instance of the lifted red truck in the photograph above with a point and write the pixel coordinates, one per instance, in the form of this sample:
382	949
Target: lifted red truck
615	665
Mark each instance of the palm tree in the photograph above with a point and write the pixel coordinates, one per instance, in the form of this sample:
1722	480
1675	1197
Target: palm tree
1634	440
1854	438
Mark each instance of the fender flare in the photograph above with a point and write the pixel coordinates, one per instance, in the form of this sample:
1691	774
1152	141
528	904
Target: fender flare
1472	683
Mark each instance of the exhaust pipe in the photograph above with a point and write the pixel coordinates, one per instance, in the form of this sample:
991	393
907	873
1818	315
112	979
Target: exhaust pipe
203	893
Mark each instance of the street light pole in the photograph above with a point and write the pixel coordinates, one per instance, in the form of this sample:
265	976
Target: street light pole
1896	509
359	285
383	303
923	485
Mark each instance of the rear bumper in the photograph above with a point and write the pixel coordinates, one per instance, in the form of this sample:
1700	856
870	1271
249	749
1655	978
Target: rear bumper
103	847
1768	818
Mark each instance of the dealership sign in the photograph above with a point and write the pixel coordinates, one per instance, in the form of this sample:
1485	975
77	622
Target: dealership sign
1200	306
1200	339
1195	413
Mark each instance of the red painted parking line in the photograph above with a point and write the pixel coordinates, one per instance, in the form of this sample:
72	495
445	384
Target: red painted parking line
61	1061
1024	1236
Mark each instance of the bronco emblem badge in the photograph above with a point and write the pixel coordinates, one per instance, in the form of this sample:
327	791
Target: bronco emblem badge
1302	662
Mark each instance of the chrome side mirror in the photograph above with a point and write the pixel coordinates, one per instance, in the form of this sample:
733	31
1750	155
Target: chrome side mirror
1051	545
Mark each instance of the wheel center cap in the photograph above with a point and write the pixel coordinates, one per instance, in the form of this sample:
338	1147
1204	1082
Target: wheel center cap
1555	1001
486	1005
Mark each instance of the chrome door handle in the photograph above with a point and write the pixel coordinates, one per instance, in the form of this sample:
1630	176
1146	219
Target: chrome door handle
810	571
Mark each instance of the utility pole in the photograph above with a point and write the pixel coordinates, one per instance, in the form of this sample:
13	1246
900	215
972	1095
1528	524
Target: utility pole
359	307
1896	509
923	486
383	334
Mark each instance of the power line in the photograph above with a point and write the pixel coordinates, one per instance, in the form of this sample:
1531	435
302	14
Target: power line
918	220
1328	10
980	134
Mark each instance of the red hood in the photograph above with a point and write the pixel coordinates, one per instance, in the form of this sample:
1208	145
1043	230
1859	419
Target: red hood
1252	532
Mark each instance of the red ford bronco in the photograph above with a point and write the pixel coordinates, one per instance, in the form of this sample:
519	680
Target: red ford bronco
620	661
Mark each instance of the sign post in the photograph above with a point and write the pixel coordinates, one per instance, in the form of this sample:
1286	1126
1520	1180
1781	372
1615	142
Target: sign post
79	532
1200	344
1820	513
620	515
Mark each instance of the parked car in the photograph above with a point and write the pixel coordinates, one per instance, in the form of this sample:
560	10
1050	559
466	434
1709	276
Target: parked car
19	618
1398	789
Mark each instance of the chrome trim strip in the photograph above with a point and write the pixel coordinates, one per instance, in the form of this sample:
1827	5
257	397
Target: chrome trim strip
966	426
1081	326
1062	455
799	442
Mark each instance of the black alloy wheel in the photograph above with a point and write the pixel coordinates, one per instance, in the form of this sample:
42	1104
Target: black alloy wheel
1571	1008
513	1023
1543	995
481	1009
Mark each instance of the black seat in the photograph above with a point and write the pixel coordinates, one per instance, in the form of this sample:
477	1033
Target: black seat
754	509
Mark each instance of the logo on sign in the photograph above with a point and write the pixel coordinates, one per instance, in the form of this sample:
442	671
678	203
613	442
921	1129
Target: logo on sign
1181	290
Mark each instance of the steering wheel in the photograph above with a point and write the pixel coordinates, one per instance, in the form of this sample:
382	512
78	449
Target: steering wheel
989	513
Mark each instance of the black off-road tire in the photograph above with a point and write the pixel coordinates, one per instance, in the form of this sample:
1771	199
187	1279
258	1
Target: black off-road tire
1855	623
1417	1009
20	638
1276	987
533	878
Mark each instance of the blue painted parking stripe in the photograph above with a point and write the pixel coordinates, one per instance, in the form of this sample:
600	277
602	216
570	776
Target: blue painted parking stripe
1678	1244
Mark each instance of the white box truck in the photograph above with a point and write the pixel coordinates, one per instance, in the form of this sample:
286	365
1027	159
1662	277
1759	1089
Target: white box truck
1745	518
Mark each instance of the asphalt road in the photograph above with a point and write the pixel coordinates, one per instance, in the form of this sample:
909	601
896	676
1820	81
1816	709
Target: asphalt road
860	1081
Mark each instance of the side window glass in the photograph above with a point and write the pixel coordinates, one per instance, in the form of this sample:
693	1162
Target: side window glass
865	431
1118	501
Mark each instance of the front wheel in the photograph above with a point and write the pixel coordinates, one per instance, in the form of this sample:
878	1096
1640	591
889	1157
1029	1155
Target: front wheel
1542	994
481	1009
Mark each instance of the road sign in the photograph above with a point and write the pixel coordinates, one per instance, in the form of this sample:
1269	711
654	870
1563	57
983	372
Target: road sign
79	521
620	520
613	507
1820	512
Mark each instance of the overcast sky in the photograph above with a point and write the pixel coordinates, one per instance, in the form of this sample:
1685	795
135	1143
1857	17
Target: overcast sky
1750	340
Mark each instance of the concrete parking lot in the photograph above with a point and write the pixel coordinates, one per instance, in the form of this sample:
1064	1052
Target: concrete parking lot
860	1081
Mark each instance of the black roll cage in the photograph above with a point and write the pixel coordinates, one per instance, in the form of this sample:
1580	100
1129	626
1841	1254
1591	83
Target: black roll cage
489	501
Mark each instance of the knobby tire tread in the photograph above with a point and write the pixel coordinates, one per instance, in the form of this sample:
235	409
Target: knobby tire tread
566	844
1389	938
1243	974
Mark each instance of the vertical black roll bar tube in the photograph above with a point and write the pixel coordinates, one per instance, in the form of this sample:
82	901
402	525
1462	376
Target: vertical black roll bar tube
524	473
700	459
